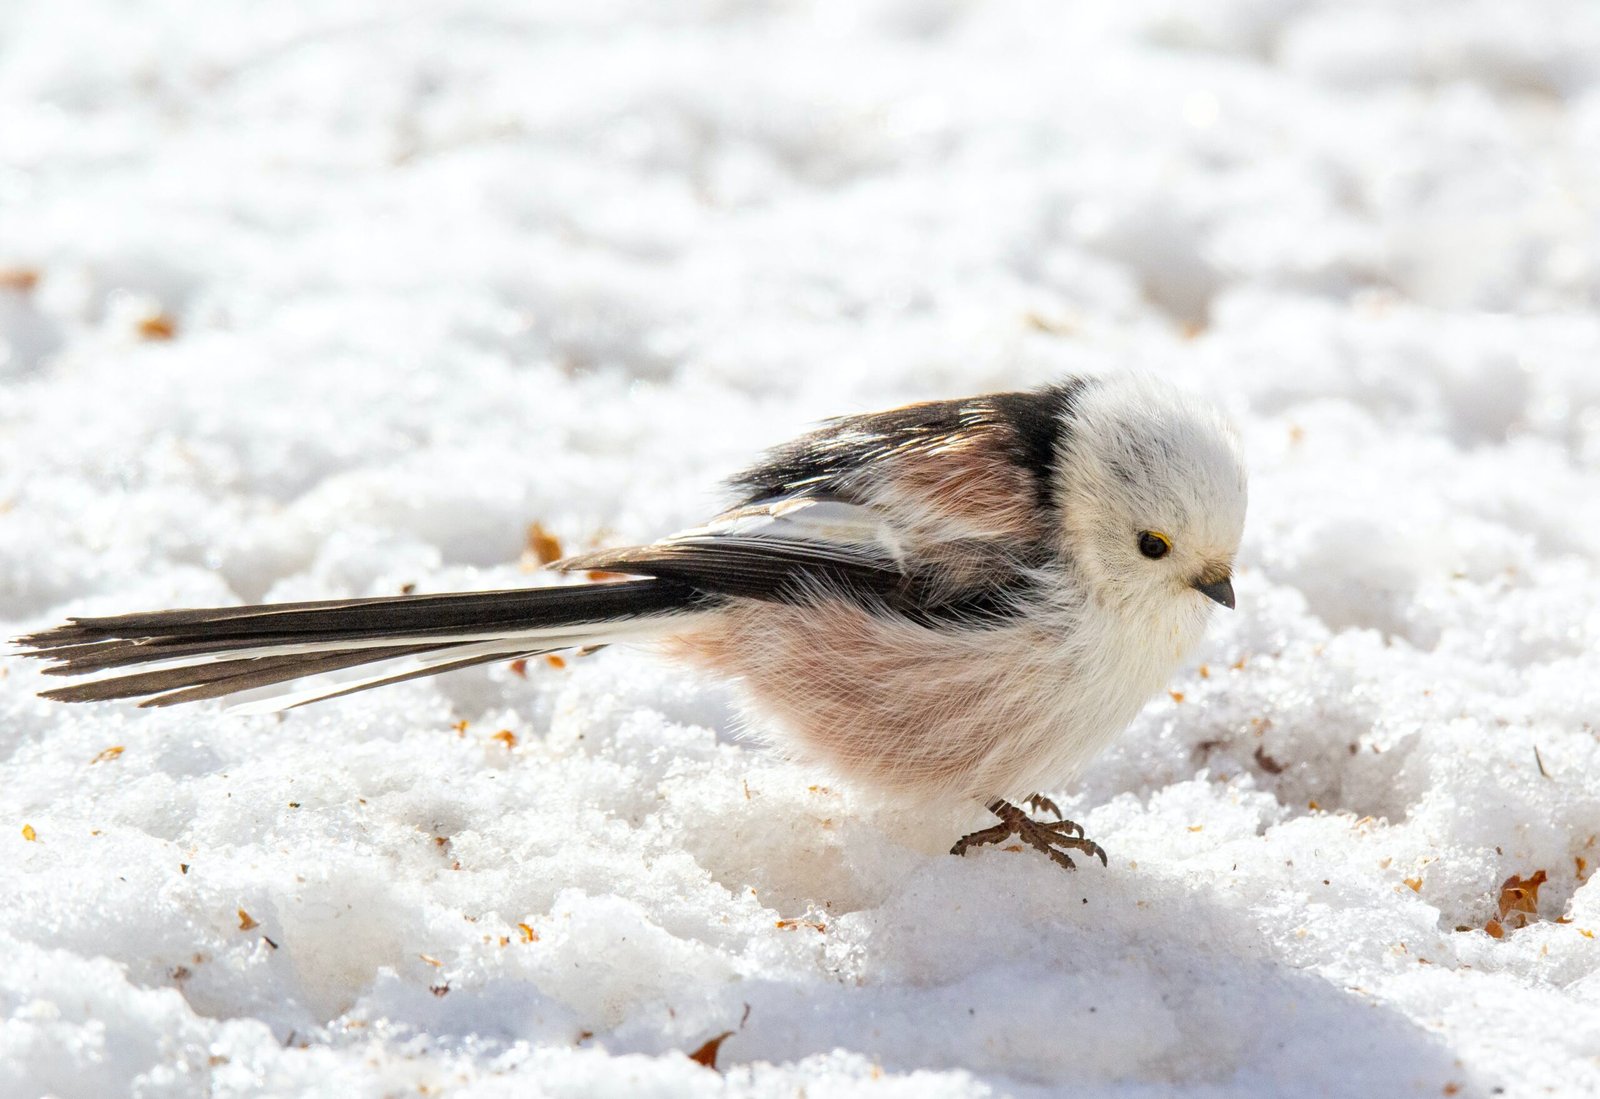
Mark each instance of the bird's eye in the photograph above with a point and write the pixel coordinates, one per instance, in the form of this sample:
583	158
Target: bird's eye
1153	544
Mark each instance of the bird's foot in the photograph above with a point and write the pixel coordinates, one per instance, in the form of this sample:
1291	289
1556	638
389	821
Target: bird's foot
1054	838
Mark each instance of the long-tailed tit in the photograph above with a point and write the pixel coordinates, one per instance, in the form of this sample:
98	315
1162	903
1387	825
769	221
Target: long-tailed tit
958	599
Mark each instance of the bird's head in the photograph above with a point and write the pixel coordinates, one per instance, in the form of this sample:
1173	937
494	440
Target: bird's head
1152	492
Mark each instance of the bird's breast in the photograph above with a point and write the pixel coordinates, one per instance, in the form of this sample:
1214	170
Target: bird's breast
920	712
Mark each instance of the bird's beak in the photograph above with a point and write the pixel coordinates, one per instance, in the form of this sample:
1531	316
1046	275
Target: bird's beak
1219	590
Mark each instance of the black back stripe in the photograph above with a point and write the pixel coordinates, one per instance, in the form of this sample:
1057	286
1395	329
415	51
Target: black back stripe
1040	420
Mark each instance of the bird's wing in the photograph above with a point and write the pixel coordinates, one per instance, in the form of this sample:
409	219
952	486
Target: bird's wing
767	549
981	468
801	548
932	510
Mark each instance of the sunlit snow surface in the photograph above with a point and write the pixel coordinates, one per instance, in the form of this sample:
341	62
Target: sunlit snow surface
436	272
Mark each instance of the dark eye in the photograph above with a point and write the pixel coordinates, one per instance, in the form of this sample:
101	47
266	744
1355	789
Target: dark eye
1153	544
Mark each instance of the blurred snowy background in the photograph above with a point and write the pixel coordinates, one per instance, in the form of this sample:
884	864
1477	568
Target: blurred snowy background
320	297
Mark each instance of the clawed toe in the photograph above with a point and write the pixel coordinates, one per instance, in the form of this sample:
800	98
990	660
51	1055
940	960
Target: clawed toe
1082	843
998	834
1066	829
1053	838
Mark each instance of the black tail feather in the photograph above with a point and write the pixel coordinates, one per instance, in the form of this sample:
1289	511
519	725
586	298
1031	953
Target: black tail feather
227	676
247	643
383	616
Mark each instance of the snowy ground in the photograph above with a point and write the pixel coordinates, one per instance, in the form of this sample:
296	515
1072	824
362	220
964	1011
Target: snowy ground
312	298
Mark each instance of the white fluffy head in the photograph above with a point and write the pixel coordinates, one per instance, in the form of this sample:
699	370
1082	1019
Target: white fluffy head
1142	460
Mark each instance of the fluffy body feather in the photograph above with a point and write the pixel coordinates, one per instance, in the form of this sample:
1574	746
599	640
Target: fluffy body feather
959	598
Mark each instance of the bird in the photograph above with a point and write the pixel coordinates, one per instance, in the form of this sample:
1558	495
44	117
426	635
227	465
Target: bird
955	599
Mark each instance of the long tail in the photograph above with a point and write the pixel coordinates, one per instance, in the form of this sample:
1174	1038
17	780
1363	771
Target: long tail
188	655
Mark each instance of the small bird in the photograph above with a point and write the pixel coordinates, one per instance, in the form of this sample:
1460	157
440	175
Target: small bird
954	599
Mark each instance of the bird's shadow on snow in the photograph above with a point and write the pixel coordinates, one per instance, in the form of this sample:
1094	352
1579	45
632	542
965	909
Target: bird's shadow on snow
1006	968
1113	981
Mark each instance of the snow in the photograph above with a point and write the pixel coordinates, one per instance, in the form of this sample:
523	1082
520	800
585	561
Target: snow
435	272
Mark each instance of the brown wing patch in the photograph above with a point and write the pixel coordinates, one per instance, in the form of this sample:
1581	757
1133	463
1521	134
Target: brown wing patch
968	478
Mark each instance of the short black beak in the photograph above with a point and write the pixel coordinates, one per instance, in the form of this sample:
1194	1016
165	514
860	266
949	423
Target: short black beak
1220	590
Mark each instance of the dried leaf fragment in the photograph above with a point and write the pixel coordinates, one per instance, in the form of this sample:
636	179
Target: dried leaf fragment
20	279
157	326
246	921
109	754
1414	884
543	546
791	924
506	737
28	833
527	934
1267	763
519	668
707	1054
1519	899
431	960
555	661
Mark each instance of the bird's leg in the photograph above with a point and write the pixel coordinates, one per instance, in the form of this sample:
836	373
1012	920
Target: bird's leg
1054	838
